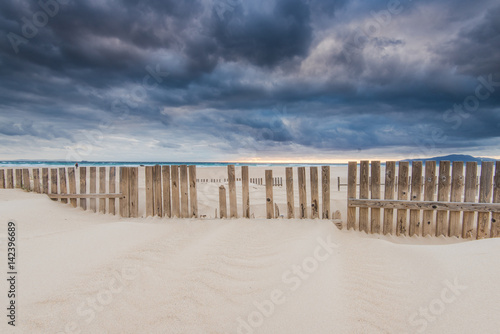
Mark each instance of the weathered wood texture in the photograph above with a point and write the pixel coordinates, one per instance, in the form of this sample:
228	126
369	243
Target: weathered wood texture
2	179
112	189
325	192
313	174
9	184
193	197
302	192
375	194
175	191
364	191
132	196
485	185
233	207
245	191
495	219
62	184
167	207
149	191
26	179
444	184
390	175
184	191
19	178
269	194
457	189
93	188
468	226
83	186
428	216
45	180
124	189
36	180
351	193
53	182
401	216
415	195
158	201
289	193
222	202
102	189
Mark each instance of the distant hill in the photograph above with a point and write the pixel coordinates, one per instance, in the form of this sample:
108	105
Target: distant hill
457	157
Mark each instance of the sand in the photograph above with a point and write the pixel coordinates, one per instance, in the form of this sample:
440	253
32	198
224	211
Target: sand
83	272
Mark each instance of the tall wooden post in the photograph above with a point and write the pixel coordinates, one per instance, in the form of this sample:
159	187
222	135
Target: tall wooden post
269	194
245	188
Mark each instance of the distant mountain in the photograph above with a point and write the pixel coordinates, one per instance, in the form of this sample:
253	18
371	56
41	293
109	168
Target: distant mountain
457	157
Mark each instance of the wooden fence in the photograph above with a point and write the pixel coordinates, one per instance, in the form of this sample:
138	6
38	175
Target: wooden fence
455	211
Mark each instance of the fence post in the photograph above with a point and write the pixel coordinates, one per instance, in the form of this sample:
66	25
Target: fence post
93	187
10	179
495	221
351	193
133	192
269	194
245	188
2	179
428	226
175	192
390	175
302	192
72	185
45	180
403	174
313	173
457	189
53	182
149	191
469	196
364	181
112	190
416	192
167	208
157	207
36	180
233	207
102	189
19	178
222	202
375	194
193	197
26	179
124	190
184	192
443	196
289	193
83	186
483	218
325	189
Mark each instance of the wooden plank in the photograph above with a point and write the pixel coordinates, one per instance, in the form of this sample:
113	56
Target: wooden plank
495	219
364	175
468	228
184	191
483	218
457	189
325	192
72	186
193	197
10	179
233	207
290	200
444	185
167	207
269	194
99	196
62	184
53	181
112	189
416	195
133	192
390	175
124	189
36	180
424	205
102	189
149	191
2	179
313	173
222	202
45	180
19	178
175	192
93	188
351	193
401	215
375	194
428	216
302	192
245	189
83	186
158	201
26	179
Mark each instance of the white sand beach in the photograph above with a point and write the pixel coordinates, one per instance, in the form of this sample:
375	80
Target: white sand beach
84	272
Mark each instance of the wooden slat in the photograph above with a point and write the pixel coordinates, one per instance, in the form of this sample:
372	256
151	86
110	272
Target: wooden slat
93	188
483	218
269	194
428	216
72	186
424	205
390	175
290	200
444	185
124	189
133	192
112	189
158	202
457	189
184	191
495	219
401	216
149	192
222	202
83	186
2	179
167	207
62	184
364	175
175	192
375	194
45	180
36	180
416	195
325	192
26	179
468	228
313	173
53	181
352	171
102	189
245	189
233	207
10	179
19	178
302	192
193	197
74	195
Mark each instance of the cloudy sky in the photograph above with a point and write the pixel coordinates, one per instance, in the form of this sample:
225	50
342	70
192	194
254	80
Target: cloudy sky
225	80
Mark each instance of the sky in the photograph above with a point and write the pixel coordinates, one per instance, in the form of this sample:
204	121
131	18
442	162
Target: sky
233	80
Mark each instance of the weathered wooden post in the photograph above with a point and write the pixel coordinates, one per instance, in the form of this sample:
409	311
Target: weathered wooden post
351	193
133	192
483	218
233	207
313	173
470	197
166	191
102	189
19	178
184	192
36	180
364	175
93	188
26	179
457	189
325	190
245	188
269	194
222	202
495	220
112	190
375	194
63	190
302	192
10	179
175	192
416	192
193	197
158	202
83	186
390	175
403	173
2	179
149	191
428	225
45	180
443	196
72	185
124	190
290	201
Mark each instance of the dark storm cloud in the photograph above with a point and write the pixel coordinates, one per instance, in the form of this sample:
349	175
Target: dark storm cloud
255	75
